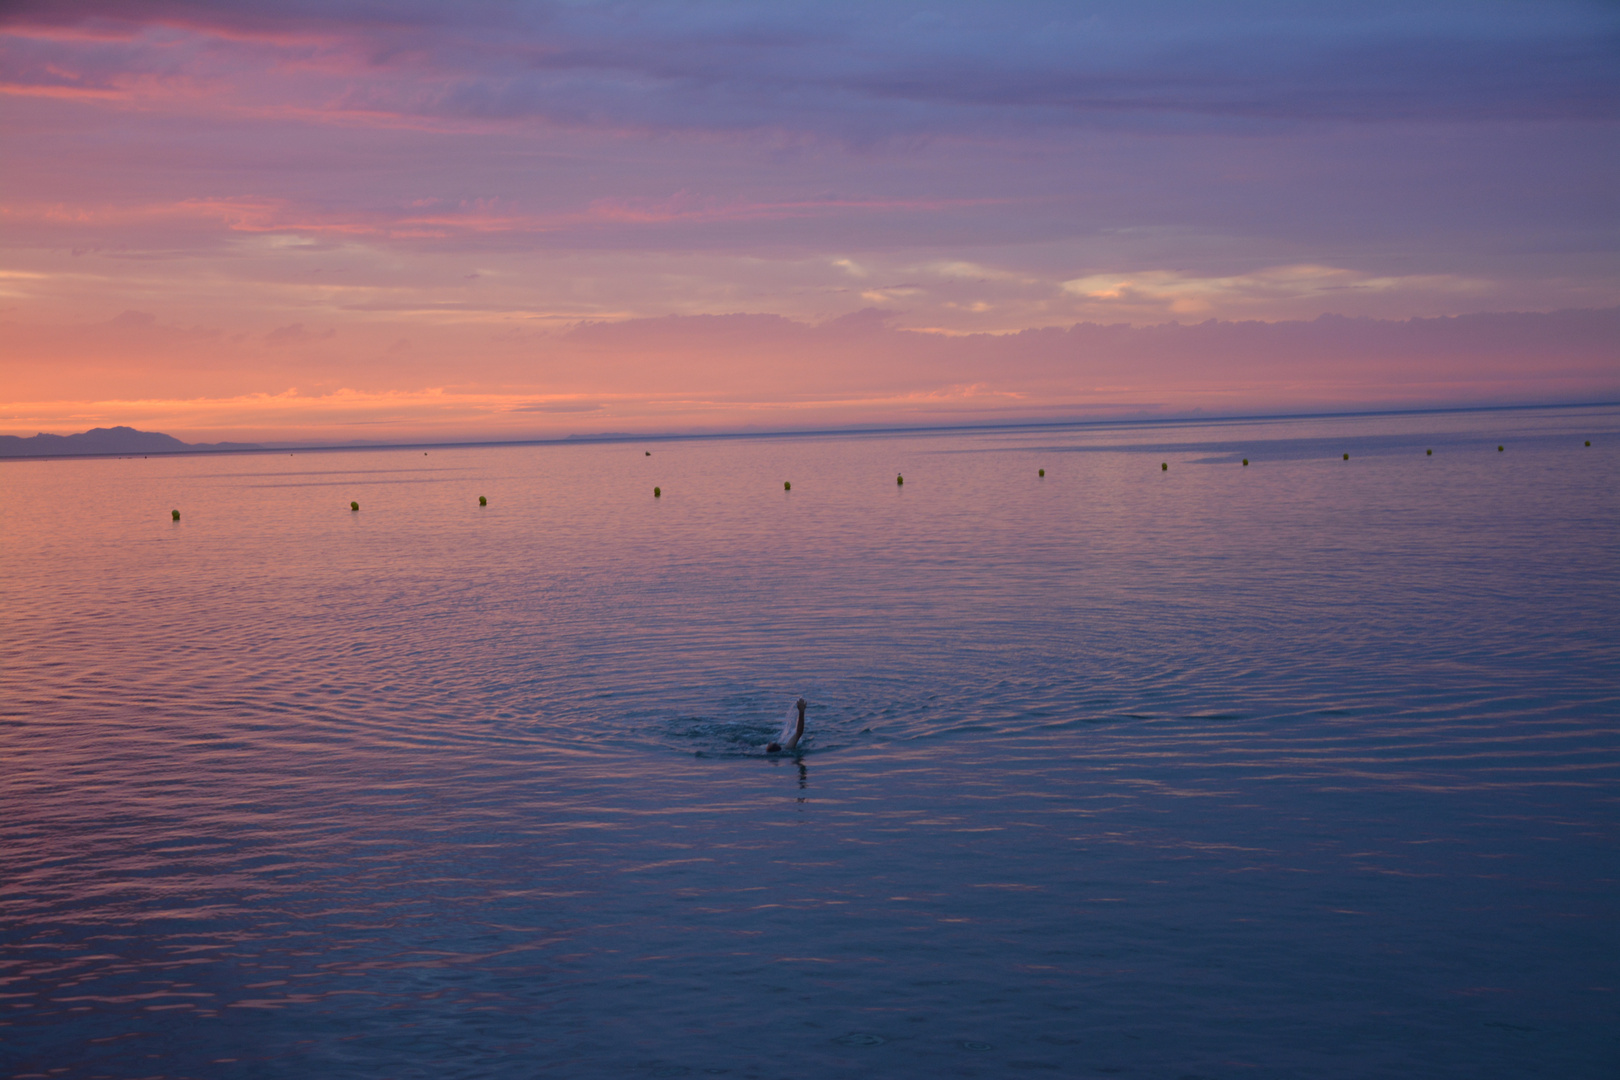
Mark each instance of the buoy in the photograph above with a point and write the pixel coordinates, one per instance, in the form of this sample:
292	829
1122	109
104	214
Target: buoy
174	514
1498	449
1588	442
354	506
1347	457
482	501
1428	453
658	493
1043	472
646	453
787	485
1245	462
1164	466
899	479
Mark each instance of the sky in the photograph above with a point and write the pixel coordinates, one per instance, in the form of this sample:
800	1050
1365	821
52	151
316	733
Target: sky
350	219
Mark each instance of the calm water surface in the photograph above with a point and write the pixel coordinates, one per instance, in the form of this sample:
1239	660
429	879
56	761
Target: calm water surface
1302	769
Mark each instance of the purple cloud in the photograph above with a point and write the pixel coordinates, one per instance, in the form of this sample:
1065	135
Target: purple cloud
862	72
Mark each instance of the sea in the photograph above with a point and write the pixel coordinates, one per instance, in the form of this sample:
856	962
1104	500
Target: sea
1259	748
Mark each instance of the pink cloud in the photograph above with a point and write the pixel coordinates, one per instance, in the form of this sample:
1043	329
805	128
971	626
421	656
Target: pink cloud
728	372
295	334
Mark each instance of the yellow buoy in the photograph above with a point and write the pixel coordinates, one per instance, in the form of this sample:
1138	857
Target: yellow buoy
1588	442
899	479
354	506
658	493
1498	449
1164	466
1347	457
1428	453
1043	472
174	515
1245	462
787	485
482	501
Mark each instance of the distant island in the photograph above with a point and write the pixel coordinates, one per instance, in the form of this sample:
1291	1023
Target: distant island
118	441
113	440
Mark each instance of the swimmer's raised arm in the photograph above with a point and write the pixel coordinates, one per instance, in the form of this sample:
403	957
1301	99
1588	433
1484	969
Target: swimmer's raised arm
792	730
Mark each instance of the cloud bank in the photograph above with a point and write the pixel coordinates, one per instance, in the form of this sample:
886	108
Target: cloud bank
764	372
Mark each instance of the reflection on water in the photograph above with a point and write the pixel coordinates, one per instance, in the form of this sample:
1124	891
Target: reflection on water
1305	768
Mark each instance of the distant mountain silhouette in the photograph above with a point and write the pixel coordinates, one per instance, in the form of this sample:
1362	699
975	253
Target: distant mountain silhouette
115	440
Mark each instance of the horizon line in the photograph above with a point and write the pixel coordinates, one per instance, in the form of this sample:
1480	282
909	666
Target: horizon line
633	437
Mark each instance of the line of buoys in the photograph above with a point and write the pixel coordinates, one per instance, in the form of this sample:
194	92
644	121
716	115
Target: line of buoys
787	485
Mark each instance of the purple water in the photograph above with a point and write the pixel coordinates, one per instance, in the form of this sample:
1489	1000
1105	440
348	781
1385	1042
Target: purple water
1301	769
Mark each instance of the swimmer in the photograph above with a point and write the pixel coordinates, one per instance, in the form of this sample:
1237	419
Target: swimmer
792	730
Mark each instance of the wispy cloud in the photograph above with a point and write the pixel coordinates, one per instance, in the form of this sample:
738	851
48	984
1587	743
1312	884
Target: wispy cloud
1180	293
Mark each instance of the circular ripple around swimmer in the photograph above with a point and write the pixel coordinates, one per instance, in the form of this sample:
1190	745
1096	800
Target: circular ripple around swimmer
719	738
860	1038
